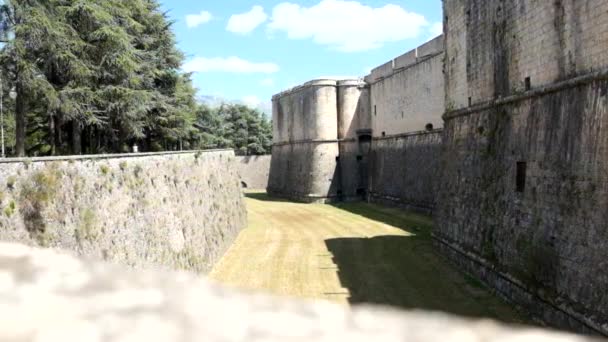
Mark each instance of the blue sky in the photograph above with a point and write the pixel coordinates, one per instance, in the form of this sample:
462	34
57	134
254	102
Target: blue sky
248	51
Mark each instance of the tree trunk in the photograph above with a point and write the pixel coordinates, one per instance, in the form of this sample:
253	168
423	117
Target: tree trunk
20	122
52	134
76	138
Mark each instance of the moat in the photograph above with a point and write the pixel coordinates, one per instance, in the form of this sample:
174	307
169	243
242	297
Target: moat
352	253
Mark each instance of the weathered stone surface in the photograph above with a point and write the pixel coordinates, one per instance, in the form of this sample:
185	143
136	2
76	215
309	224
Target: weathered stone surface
527	99
254	171
408	99
405	170
306	126
173	210
48	296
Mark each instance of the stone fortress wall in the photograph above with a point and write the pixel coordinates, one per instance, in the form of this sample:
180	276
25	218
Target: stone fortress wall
524	183
254	171
407	95
169	210
515	171
372	129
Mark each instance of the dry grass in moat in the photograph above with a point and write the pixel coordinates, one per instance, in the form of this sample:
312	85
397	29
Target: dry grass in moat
351	253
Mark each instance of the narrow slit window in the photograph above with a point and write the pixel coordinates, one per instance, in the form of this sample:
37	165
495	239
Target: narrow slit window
470	101
528	83
375	110
521	176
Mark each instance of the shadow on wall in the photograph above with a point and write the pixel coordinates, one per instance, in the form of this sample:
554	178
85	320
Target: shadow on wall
406	272
263	196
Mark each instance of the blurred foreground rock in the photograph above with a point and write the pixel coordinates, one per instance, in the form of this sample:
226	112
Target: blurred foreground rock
50	296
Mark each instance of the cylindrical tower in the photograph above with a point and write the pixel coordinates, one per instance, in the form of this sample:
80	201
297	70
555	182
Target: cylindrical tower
349	106
305	150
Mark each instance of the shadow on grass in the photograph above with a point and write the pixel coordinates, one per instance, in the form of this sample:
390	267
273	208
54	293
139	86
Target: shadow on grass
263	196
406	272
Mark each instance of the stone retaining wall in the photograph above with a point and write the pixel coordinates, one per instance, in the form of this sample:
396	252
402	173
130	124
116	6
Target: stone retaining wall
173	210
254	171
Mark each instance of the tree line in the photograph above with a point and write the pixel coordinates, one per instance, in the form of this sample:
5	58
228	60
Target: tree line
99	76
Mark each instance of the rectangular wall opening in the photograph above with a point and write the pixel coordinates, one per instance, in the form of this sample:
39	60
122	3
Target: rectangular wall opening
520	179
528	83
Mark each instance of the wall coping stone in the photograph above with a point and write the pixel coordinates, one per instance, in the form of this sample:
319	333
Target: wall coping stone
409	134
307	141
573	82
106	156
320	82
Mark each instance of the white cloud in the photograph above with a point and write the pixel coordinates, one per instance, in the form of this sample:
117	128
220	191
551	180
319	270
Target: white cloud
245	23
194	20
228	64
346	26
436	29
267	82
251	101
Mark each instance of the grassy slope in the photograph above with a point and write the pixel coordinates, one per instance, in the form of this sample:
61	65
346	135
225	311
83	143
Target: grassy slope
351	253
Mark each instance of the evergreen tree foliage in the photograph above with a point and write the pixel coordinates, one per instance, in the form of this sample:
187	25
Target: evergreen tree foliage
98	76
235	126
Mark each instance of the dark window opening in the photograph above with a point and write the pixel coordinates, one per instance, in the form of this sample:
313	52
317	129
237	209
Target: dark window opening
528	83
359	158
383	134
365	138
244	185
429	127
360	192
375	110
470	101
521	177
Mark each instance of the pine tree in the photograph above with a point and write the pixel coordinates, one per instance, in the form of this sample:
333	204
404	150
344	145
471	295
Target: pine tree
95	76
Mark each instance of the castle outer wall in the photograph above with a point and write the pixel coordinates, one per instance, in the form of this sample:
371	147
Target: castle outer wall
407	102
524	191
173	210
253	171
376	142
